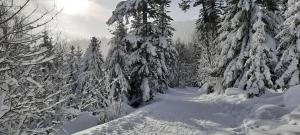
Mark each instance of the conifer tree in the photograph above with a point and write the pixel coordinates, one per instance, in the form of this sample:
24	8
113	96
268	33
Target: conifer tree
287	69
69	72
91	94
142	44
117	65
166	52
239	42
71	66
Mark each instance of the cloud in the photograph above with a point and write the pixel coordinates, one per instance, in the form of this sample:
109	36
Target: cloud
110	4
92	20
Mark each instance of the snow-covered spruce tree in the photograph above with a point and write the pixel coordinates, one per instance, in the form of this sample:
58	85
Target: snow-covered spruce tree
142	45
258	66
117	65
207	26
64	81
287	69
166	52
71	68
238	38
91	94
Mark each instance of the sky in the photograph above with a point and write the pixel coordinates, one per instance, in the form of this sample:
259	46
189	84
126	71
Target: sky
86	18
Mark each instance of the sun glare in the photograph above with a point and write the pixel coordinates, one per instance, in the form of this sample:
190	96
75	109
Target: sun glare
72	6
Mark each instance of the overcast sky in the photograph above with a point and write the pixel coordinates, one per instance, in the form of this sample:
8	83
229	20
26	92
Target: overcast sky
86	18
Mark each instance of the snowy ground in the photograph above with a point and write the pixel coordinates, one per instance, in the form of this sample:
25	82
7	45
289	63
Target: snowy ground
189	112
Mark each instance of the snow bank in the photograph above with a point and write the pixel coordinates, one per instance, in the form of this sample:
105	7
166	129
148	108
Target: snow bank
86	120
193	112
293	117
82	122
126	109
292	96
270	112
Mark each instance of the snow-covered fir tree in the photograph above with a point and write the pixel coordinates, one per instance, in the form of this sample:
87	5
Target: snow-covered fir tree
91	93
117	65
65	81
166	52
71	68
287	69
241	45
259	64
149	71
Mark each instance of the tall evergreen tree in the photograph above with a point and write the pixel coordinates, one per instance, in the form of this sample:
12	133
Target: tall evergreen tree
166	52
117	65
142	44
241	45
69	72
71	67
287	70
91	95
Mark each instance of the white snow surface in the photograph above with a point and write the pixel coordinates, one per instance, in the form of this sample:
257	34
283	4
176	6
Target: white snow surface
190	112
83	121
292	96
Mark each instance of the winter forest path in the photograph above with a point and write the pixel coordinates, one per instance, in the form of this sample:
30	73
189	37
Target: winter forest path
179	112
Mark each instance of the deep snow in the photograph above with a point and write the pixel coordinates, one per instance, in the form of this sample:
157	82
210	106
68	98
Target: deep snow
191	112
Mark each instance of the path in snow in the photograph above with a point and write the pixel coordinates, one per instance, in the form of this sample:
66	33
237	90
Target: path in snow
180	112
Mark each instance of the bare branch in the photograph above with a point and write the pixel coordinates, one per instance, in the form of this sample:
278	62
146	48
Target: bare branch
17	12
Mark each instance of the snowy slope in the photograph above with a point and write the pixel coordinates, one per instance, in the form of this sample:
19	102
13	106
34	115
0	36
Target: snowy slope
188	112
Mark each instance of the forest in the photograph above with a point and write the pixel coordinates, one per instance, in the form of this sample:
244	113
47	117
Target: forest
249	47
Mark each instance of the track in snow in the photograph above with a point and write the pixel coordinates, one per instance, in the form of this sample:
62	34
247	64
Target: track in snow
179	112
